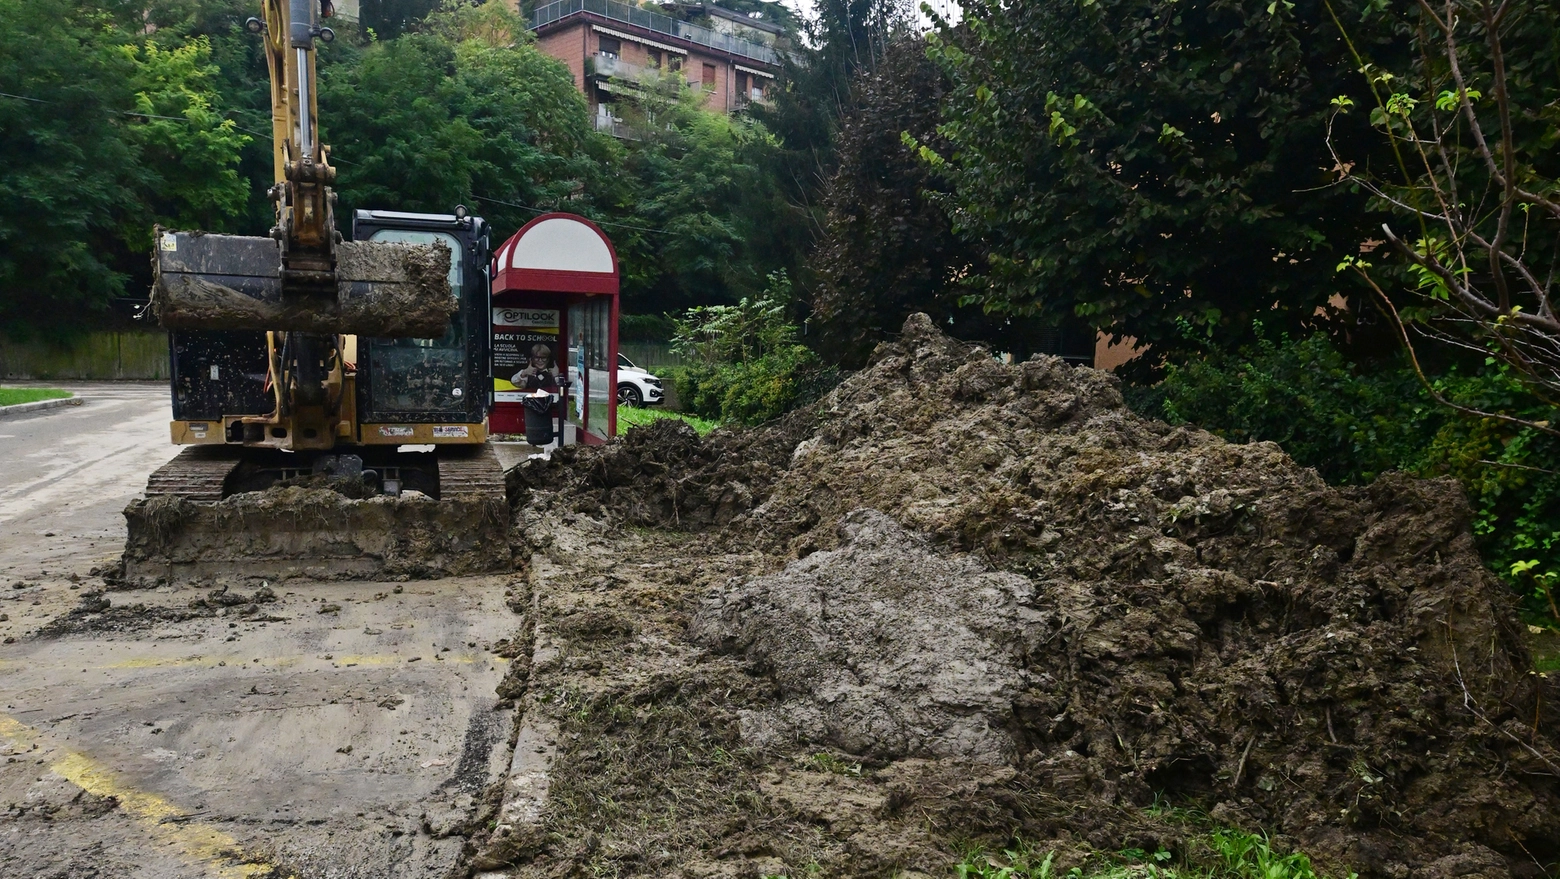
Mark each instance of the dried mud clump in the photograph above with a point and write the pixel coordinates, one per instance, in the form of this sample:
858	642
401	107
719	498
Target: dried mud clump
665	475
883	649
1001	565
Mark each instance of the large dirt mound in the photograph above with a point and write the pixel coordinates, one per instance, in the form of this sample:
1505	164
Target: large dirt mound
1115	608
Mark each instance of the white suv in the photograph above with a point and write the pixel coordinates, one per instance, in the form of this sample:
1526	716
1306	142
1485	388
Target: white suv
635	386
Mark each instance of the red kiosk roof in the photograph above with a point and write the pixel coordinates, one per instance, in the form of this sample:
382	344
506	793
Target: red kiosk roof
561	253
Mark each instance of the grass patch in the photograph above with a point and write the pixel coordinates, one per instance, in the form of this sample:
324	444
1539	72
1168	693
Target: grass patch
1544	641
1216	854
826	762
13	396
632	416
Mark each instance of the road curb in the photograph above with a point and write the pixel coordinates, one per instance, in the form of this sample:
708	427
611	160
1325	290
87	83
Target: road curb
39	406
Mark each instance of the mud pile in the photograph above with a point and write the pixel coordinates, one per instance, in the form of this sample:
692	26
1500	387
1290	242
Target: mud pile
1001	565
664	474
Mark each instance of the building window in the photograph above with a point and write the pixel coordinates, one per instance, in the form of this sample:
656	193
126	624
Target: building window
610	47
674	62
653	58
709	77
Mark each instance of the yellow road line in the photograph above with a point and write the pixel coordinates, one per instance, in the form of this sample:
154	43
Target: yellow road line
164	821
137	662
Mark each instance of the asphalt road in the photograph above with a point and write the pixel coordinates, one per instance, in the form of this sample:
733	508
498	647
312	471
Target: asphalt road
65	475
344	730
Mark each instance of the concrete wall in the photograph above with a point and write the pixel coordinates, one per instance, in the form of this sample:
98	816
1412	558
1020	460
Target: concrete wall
107	355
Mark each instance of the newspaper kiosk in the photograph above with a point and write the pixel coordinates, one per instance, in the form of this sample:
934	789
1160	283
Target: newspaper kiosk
555	341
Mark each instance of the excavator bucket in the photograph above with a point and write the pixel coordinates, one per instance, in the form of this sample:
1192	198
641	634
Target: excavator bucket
230	282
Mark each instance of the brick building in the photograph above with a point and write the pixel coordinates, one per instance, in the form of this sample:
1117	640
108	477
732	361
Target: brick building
615	49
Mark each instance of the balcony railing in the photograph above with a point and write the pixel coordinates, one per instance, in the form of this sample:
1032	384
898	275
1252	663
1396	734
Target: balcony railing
616	128
657	23
614	67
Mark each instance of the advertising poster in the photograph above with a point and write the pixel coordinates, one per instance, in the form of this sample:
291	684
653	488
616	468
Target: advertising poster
525	352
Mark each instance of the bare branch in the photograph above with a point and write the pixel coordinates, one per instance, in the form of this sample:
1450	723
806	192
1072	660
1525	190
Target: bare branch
1430	388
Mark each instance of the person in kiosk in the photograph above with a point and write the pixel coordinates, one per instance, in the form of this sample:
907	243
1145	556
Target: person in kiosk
539	374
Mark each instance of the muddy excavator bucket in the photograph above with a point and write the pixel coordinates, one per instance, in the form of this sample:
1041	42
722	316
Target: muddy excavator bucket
230	282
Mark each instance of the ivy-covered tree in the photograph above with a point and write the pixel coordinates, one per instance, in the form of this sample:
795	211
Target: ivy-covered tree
841	40
1157	169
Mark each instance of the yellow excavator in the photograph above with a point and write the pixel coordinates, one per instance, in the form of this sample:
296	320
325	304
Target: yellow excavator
332	393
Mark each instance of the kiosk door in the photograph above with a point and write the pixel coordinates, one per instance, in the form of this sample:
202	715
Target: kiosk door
593	372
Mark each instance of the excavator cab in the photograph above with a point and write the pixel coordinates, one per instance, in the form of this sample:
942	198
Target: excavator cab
438	381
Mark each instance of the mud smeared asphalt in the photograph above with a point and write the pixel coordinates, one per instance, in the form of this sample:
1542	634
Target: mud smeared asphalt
98	612
1015	607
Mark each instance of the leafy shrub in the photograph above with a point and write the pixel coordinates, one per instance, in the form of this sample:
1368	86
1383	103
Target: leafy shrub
1307	397
1352	425
1508	472
745	363
1220	853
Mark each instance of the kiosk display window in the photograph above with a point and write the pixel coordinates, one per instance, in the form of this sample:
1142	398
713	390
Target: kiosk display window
591	331
526	349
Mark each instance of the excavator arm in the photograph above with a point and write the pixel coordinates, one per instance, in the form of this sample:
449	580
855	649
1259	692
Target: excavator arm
305	226
302	277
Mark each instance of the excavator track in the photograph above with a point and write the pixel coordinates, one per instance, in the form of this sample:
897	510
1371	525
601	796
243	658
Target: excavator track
195	474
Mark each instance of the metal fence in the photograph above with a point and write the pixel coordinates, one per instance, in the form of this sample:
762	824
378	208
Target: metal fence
649	355
652	21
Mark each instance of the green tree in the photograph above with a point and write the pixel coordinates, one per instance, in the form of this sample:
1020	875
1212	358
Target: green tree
465	107
1150	166
86	164
188	151
696	216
